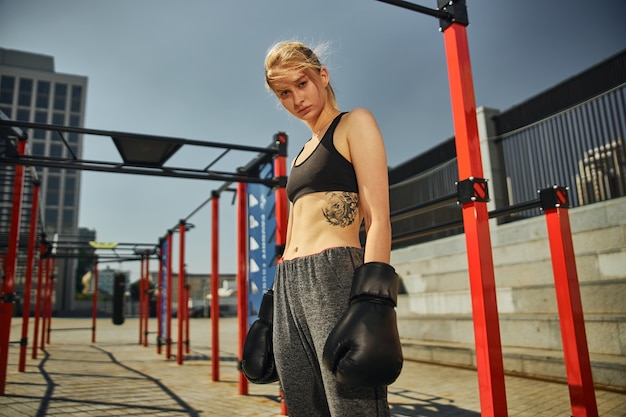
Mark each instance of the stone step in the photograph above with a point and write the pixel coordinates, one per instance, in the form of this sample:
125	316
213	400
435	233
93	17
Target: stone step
606	334
590	268
609	371
598	297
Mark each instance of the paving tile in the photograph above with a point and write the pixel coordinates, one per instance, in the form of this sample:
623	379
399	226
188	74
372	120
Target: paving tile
119	377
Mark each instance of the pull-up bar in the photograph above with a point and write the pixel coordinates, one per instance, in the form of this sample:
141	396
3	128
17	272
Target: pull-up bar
141	154
251	170
420	9
489	363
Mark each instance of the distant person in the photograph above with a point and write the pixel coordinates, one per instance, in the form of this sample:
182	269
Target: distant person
335	337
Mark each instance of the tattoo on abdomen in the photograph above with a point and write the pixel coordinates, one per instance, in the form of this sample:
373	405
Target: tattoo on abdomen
342	208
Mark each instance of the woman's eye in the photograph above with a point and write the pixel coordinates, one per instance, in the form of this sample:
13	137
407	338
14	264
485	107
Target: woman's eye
302	84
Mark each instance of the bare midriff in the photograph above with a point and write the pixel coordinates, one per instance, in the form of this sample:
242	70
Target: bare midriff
323	220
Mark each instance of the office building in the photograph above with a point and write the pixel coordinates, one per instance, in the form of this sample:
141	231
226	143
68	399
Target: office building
31	90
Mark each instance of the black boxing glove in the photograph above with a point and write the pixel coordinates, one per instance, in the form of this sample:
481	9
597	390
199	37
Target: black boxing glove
364	347
257	359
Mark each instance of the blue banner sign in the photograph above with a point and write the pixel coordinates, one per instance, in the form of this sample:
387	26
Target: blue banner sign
261	241
163	292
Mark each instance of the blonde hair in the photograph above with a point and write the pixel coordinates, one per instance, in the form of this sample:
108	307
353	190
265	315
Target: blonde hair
286	57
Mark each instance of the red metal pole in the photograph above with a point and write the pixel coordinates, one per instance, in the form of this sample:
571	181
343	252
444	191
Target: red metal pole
7	299
38	300
168	346
215	302
571	318
147	297
28	280
182	303
187	336
159	306
489	361
44	301
141	298
280	170
242	276
94	298
49	296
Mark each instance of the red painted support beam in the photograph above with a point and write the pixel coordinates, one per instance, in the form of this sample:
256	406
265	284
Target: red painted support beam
182	303
242	276
44	302
160	300
143	296
215	282
571	318
476	223
7	298
28	280
147	297
94	302
187	335
49	297
168	341
39	299
280	171
140	310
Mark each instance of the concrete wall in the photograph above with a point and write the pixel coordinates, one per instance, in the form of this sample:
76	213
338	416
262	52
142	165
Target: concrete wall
435	318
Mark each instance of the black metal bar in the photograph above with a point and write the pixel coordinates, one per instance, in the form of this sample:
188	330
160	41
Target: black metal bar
67	145
197	209
124	169
96	132
70	328
458	223
515	208
424	207
420	9
426	231
126	259
216	159
14	131
83	244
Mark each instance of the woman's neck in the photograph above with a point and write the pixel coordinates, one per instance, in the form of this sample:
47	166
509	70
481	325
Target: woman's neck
319	127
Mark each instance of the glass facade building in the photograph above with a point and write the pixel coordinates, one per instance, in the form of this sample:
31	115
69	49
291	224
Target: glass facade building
31	91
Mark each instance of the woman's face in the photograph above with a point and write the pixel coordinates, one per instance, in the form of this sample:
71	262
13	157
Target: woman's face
302	95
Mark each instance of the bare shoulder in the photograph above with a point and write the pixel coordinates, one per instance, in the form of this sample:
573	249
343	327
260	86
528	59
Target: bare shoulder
362	126
359	116
358	132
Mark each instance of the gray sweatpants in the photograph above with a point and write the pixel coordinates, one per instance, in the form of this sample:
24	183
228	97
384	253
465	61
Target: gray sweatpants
311	294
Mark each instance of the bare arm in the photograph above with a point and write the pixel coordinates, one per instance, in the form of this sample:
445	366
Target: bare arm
289	225
367	152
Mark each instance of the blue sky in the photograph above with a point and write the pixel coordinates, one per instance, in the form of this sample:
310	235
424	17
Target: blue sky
194	69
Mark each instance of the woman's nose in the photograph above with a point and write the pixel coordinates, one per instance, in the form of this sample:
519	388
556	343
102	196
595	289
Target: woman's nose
298	98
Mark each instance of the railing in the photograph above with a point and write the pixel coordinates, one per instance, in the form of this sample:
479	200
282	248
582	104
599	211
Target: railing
407	198
582	147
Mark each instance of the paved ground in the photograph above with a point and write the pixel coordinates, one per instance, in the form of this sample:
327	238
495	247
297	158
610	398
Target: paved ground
118	377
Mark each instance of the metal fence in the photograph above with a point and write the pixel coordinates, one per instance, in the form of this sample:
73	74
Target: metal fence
573	134
428	186
581	147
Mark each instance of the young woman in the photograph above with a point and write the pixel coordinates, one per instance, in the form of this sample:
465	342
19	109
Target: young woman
335	338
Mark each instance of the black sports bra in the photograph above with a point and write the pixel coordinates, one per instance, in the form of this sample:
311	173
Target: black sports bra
324	170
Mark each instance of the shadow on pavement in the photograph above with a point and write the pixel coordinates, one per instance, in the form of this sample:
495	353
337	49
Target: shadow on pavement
423	405
56	377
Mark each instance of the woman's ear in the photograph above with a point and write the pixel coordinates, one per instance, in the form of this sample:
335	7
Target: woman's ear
324	76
